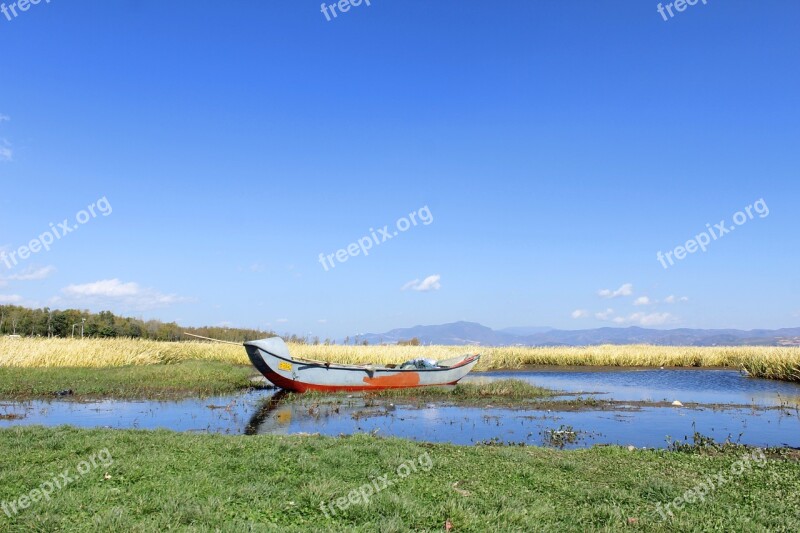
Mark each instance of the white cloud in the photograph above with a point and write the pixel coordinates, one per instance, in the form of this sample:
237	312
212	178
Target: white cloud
431	283
642	300
579	313
646	319
114	292
33	273
282	320
10	298
604	315
671	299
108	288
322	321
625	289
651	319
6	153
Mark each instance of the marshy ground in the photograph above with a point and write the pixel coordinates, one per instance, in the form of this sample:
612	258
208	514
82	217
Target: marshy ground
193	479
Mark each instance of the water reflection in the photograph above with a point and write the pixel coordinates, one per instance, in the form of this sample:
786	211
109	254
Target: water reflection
755	420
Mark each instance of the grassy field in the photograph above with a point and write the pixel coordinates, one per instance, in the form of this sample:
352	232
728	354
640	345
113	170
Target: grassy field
187	378
158	481
769	362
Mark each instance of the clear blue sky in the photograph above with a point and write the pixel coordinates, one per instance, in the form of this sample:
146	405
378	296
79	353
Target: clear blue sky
557	145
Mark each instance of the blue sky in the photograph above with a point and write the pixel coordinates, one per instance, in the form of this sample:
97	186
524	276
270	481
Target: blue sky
558	146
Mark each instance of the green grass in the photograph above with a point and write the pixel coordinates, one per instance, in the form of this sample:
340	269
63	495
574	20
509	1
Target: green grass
506	389
190	378
500	392
169	481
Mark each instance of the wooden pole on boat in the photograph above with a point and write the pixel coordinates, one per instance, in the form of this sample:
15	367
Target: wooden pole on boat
213	340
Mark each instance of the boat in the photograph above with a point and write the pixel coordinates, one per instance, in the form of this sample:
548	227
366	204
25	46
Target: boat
271	358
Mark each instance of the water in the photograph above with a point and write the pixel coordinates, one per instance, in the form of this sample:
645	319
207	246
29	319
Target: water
640	427
756	419
654	385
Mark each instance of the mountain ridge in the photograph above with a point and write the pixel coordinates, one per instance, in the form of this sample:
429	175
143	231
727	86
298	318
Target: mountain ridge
472	333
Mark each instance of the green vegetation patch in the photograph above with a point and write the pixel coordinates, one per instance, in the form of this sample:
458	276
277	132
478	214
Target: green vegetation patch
161	481
190	378
501	392
506	389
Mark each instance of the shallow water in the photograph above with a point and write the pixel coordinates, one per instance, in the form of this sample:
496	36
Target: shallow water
685	385
751	422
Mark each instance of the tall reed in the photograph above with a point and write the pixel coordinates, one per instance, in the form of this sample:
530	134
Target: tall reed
761	361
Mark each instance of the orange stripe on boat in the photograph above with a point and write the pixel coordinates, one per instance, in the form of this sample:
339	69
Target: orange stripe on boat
401	379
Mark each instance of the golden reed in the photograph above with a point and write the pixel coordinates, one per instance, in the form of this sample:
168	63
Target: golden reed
760	361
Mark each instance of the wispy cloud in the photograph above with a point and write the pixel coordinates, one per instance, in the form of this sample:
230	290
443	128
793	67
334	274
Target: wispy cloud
625	289
604	315
282	320
651	319
10	298
431	283
642	300
6	153
33	274
646	319
671	299
579	313
114	292
322	321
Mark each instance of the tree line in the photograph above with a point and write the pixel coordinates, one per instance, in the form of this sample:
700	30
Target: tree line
46	322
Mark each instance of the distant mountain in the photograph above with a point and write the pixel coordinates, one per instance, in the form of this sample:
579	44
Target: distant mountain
457	333
464	333
524	331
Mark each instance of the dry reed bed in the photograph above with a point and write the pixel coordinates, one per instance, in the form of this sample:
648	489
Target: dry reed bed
763	361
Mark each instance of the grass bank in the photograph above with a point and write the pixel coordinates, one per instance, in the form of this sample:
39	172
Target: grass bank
163	481
188	378
759	361
505	389
502	392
